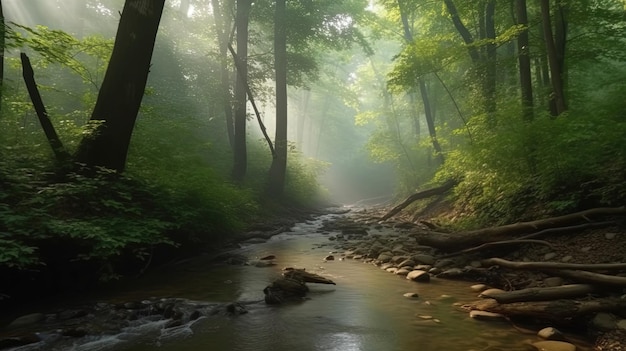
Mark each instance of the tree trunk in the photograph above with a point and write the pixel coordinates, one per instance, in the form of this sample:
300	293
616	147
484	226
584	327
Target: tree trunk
490	63
223	41
123	86
420	195
543	294
278	169
523	52
240	162
552	265
40	109
2	45
553	59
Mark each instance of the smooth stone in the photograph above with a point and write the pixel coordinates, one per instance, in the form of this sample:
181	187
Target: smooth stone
604	321
411	295
586	249
490	292
329	258
610	236
384	266
391	269
549	256
402	271
423	267
407	262
551	333
553	346
476	264
566	259
484	315
418	276
423	259
446	262
479	287
621	324
553	282
384	257
27	320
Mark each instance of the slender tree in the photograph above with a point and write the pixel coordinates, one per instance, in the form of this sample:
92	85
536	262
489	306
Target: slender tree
556	76
278	168
222	25
240	154
123	86
2	45
523	52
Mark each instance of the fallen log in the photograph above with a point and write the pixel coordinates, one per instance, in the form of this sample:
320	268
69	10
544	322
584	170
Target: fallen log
543	294
420	195
497	243
590	277
477	237
552	265
572	228
557	311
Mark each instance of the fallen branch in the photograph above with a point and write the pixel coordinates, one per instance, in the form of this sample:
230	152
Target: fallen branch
558	311
552	265
561	230
589	277
420	195
497	243
543	294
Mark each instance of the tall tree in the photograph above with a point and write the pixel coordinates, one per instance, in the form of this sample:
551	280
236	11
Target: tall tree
555	58
278	168
222	26
523	52
2	45
122	90
240	154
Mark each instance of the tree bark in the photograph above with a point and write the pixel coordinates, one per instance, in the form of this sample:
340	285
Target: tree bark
123	86
523	52
589	277
2	45
240	154
552	265
40	109
558	311
278	169
553	59
420	195
223	42
543	294
477	237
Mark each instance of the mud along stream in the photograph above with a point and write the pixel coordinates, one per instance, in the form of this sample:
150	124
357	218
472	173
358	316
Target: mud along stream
366	310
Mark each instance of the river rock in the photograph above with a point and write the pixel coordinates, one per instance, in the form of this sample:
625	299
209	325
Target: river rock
16	341
384	266
329	258
553	346
551	333
418	276
391	269
489	293
604	321
479	287
402	271
406	262
485	316
411	295
28	319
423	259
384	257
553	281
446	262
549	256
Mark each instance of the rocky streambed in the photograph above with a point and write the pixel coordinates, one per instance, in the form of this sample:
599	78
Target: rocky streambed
391	293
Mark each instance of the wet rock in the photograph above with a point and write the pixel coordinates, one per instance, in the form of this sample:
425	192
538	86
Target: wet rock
236	308
28	319
489	293
406	262
451	273
384	266
329	258
551	333
71	314
479	287
391	269
411	295
423	259
402	271
268	257
610	236
566	259
486	316
385	257
446	262
603	321
419	276
553	346
77	332
16	341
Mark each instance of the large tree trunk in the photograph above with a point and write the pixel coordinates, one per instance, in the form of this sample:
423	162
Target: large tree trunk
123	86
2	45
542	294
278	169
442	189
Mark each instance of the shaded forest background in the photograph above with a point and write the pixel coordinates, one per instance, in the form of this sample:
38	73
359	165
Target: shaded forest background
522	103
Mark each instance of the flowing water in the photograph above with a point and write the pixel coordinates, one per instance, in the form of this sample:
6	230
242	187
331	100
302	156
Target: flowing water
365	311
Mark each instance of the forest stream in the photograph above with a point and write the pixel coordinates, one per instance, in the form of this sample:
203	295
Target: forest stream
365	310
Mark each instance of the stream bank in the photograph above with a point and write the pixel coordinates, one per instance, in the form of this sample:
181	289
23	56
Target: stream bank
219	300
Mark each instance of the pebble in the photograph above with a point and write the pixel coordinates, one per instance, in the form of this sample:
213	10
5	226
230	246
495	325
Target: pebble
479	287
551	333
566	258
610	236
418	276
549	256
483	315
411	295
554	346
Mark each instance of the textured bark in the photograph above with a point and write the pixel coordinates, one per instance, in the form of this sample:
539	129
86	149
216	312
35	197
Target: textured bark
221	26
40	109
123	86
240	154
523	52
558	311
553	58
278	169
477	237
543	294
552	265
589	277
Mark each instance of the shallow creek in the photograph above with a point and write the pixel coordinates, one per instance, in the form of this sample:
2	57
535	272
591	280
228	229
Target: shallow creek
366	310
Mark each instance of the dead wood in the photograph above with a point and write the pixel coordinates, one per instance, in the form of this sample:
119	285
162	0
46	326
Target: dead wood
497	243
420	195
590	277
477	237
552	265
572	228
543	294
557	311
